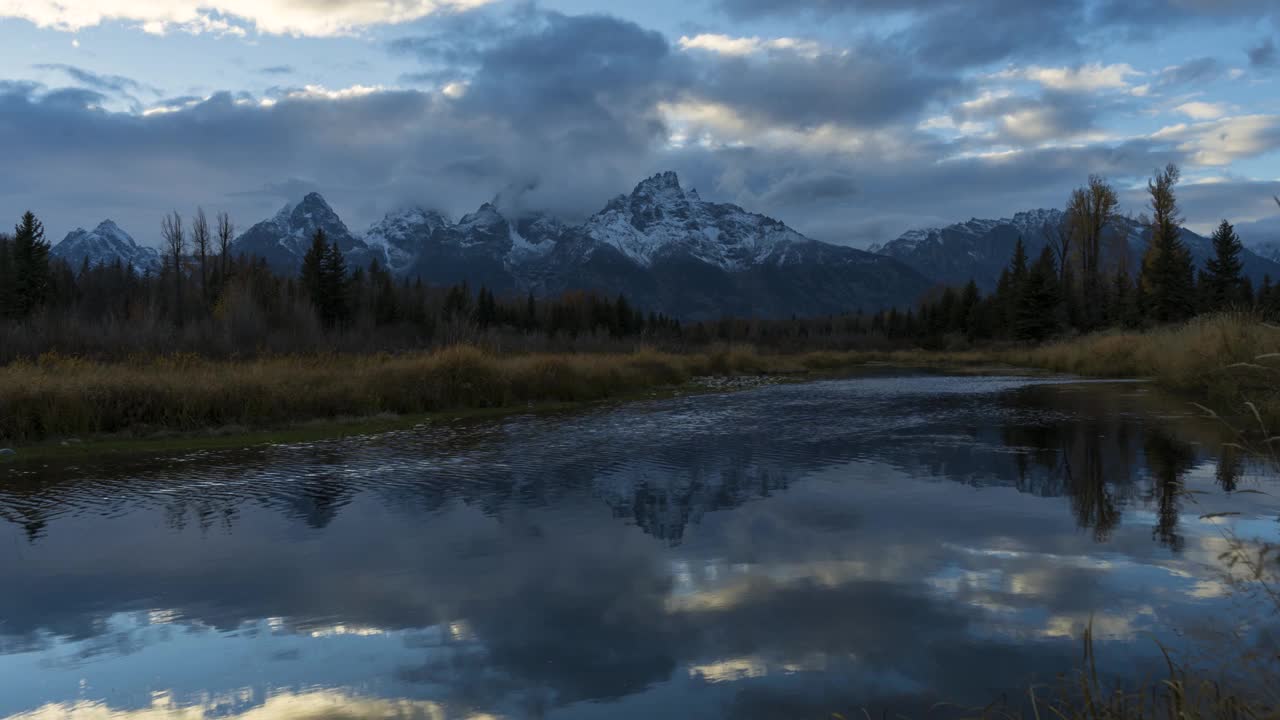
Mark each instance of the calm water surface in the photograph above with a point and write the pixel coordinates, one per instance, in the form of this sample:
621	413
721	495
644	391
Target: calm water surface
792	551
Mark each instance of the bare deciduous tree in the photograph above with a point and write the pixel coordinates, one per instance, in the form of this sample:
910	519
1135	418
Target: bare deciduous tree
1059	237
201	240
176	245
1090	211
225	231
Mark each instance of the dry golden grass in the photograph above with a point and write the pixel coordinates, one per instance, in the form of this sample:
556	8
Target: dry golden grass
1228	362
57	396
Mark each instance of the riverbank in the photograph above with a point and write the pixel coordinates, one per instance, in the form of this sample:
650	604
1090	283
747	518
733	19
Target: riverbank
174	399
1230	363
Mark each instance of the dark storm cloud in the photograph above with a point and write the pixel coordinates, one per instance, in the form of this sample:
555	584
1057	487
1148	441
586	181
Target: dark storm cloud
590	80
288	189
1023	118
867	86
1140	17
1200	70
1263	55
812	188
103	83
951	33
570	107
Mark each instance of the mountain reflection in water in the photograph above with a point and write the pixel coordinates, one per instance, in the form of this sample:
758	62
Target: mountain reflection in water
880	542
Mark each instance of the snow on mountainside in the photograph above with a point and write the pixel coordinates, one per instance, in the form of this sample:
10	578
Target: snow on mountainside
399	235
1262	237
662	246
659	217
980	249
106	244
283	240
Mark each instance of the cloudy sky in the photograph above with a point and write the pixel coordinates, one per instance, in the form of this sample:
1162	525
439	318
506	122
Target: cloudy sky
852	120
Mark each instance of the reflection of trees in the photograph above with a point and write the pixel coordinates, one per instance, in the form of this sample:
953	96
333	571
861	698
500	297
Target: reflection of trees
32	519
1089	461
1091	499
1230	467
1168	460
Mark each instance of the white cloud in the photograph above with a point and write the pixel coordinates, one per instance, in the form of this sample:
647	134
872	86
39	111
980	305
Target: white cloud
314	92
1091	77
1202	110
1224	141
742	46
276	17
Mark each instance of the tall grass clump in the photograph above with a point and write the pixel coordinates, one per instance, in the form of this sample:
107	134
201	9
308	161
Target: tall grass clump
58	396
1231	361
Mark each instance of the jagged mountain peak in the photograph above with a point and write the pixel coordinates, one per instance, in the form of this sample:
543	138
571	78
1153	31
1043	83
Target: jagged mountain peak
487	214
981	248
660	183
283	240
105	244
662	245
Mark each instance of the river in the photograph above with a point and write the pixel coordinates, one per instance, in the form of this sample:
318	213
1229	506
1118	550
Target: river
887	542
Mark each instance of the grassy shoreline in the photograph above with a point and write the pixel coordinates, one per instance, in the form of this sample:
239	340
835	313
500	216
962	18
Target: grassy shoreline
183	401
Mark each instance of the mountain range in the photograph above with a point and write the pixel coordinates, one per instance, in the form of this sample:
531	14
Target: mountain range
105	244
981	249
663	246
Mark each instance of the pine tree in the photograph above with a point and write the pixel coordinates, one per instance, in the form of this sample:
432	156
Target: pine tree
385	304
965	309
7	278
31	275
1018	265
1039	303
1224	269
336	287
1009	290
530	313
1168	273
486	308
313	271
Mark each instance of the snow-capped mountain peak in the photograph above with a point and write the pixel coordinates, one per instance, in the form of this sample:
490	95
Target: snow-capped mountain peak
399	235
980	249
283	240
660	219
662	245
486	216
103	245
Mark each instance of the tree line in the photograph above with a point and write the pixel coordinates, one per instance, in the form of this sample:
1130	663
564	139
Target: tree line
206	299
1082	282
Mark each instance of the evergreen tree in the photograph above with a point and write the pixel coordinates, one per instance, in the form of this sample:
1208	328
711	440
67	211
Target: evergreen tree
336	287
30	266
1124	301
1039	303
313	270
385	304
622	310
1009	288
1018	264
966	309
530	313
7	278
1224	270
1168	273
486	308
